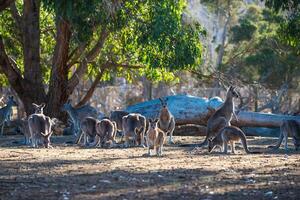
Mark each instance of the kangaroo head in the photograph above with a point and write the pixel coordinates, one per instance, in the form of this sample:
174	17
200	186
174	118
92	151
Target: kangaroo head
163	102
232	92
153	123
211	144
39	109
11	101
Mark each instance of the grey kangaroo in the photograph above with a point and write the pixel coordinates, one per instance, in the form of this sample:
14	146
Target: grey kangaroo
289	128
166	120
40	129
222	116
77	115
6	111
134	128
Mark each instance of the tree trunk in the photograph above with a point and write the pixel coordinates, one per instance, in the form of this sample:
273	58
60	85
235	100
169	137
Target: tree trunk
57	94
34	88
195	110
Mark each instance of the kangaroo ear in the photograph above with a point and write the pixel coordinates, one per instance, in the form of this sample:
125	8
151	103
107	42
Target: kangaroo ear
150	120
69	101
156	120
35	105
210	139
43	105
161	100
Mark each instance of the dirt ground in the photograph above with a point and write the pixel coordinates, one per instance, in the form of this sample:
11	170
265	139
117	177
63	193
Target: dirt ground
71	172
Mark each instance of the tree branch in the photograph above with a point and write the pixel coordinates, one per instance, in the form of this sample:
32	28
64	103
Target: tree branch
12	74
90	56
18	19
75	55
90	92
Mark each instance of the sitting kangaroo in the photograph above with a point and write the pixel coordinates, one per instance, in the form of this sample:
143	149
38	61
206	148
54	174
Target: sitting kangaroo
289	128
106	132
40	128
166	120
6	111
228	134
222	116
134	128
155	138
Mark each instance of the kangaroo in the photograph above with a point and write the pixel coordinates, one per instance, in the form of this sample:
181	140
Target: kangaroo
116	116
40	129
77	115
39	109
222	116
25	130
155	137
230	134
288	128
166	120
6	111
88	127
134	128
106	132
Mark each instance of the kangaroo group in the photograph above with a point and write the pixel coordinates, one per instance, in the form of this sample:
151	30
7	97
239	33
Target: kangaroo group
134	129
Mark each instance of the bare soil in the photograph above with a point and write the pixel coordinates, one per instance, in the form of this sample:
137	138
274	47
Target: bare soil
72	172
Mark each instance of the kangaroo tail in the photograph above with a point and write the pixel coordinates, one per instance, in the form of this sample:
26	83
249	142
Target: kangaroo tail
245	145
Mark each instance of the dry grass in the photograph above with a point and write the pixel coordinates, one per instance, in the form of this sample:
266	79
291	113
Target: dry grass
71	172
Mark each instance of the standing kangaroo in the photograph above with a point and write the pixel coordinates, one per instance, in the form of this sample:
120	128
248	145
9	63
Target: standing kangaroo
134	128
6	111
155	137
229	134
289	128
166	120
77	115
221	117
40	128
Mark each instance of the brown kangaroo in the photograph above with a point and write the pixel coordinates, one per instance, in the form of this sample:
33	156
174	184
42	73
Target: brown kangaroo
221	117
228	134
155	138
166	120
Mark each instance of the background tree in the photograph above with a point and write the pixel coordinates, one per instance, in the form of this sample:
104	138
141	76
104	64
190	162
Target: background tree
58	43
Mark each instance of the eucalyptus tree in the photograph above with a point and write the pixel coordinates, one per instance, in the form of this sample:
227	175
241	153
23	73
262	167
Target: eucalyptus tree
59	42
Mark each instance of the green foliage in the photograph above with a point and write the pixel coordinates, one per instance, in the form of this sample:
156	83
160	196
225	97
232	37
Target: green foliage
260	54
243	31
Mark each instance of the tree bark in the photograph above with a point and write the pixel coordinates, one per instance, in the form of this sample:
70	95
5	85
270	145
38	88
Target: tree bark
195	110
57	94
34	88
5	4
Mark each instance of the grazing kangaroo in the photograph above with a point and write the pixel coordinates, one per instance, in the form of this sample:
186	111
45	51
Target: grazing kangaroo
134	128
228	134
77	115
6	111
155	138
88	127
221	117
166	120
106	132
289	128
40	129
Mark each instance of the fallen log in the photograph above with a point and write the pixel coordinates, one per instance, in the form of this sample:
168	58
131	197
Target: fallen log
195	110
